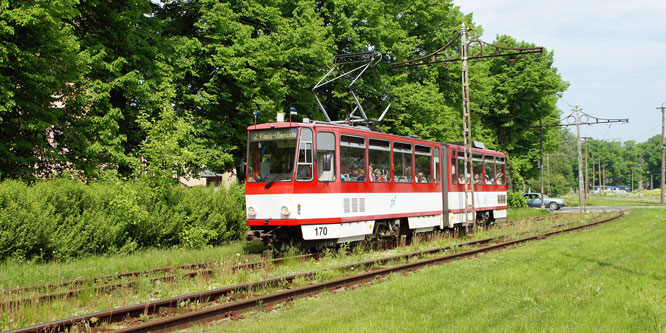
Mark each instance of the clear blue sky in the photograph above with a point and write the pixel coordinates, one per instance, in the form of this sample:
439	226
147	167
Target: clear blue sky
613	54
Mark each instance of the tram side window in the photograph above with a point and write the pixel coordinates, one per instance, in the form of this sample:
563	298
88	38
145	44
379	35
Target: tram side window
438	166
422	164
489	165
477	164
325	156
454	177
463	173
379	152
305	164
352	158
402	162
500	176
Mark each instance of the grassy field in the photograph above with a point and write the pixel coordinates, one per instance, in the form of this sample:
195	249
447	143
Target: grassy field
520	213
645	198
21	273
609	278
14	274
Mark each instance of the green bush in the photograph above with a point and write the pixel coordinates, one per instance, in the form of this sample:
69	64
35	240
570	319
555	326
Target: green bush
515	200
65	218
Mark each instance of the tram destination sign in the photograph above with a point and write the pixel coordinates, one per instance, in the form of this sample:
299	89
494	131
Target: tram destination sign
274	134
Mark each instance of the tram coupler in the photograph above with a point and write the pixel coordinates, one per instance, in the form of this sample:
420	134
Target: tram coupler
260	236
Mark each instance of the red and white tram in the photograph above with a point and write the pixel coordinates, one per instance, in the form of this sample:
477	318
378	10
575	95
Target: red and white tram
328	183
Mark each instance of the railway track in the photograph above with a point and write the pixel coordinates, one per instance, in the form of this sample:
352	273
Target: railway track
169	314
207	268
66	289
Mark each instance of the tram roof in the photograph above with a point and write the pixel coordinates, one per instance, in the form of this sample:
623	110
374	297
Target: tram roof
356	128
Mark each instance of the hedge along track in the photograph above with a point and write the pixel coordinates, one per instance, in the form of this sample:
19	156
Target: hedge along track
168	314
111	282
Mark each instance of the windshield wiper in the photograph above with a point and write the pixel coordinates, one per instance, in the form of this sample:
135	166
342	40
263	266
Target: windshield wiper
269	184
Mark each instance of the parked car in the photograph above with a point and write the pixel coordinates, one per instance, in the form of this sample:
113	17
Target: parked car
534	200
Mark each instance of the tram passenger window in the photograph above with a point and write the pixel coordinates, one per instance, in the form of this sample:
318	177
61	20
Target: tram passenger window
423	164
378	160
500	176
463	173
352	158
325	156
437	164
402	162
489	165
304	169
454	167
477	164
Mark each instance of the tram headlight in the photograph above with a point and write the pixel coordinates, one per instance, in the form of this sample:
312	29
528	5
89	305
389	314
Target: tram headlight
251	213
285	212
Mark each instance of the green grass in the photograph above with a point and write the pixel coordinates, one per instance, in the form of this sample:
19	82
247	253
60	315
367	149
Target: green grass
520	213
609	278
15	273
146	289
645	198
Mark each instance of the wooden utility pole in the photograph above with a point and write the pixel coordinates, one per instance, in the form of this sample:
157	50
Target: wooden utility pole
587	185
663	152
548	169
543	202
581	187
601	186
593	164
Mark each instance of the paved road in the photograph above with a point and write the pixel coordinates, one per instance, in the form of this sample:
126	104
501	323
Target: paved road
604	208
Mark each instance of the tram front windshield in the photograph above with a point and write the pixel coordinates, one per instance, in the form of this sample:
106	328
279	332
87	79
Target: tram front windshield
271	155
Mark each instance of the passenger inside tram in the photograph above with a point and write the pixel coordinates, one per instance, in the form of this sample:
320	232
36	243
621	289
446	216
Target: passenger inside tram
356	174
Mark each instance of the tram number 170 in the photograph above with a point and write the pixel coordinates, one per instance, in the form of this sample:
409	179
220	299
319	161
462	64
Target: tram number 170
321	231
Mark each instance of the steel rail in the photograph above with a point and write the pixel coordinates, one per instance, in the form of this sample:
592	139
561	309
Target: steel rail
9	304
154	307
203	264
231	309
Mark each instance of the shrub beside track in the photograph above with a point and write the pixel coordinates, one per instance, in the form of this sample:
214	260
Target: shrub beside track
64	218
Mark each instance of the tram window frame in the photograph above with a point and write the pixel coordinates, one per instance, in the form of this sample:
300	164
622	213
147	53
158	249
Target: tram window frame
322	146
380	146
489	179
437	164
401	148
454	167
477	165
305	160
500	160
425	152
464	177
348	141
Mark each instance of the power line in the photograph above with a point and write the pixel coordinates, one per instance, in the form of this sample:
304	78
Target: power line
442	56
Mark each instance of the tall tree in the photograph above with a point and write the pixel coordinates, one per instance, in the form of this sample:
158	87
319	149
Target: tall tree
122	40
232	59
39	58
524	91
